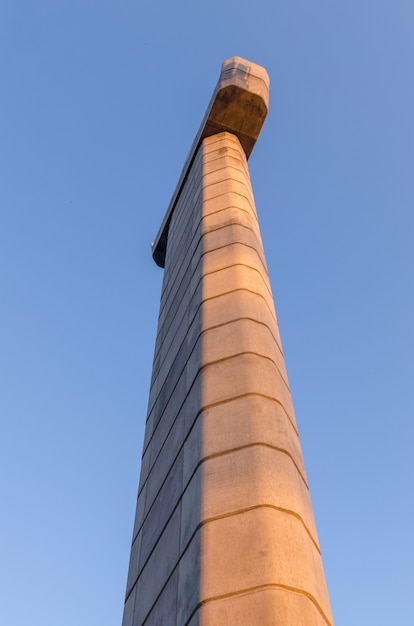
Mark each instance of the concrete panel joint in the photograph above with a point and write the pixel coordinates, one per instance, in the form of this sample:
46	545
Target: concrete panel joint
224	530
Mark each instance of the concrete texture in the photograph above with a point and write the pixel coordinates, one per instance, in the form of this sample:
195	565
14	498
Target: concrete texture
239	105
224	530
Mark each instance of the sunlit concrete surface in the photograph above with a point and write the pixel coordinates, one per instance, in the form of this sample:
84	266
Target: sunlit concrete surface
224	530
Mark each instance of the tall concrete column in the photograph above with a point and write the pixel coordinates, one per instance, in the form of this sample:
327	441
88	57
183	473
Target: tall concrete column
224	531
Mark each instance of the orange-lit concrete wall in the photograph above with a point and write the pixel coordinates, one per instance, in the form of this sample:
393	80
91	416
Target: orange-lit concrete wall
224	530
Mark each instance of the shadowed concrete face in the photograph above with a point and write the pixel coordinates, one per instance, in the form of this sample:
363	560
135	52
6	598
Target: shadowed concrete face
224	531
239	105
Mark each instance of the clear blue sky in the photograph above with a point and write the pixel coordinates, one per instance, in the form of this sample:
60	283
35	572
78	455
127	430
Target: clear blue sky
100	101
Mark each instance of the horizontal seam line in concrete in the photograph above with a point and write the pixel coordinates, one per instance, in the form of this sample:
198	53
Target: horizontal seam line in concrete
227	267
232	207
175	506
229	514
151	409
250	198
217	517
185	211
166	295
204	459
223	136
226	293
256	235
166	330
185	223
206	234
232	243
235	243
185	173
189	541
167	401
175	458
158	538
245	182
256	394
249	319
167	313
163	586
165	381
183	228
223	401
245	352
199	412
223	157
189	304
229	225
175	419
247	509
243	179
209	458
230	144
250	201
252	445
160	592
205	408
172	339
230	192
171	304
188	201
263	587
253	229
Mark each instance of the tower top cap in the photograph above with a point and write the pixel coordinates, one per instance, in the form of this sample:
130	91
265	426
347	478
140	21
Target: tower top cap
240	102
239	106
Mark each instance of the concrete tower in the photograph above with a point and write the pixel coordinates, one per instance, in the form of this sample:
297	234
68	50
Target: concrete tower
224	533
